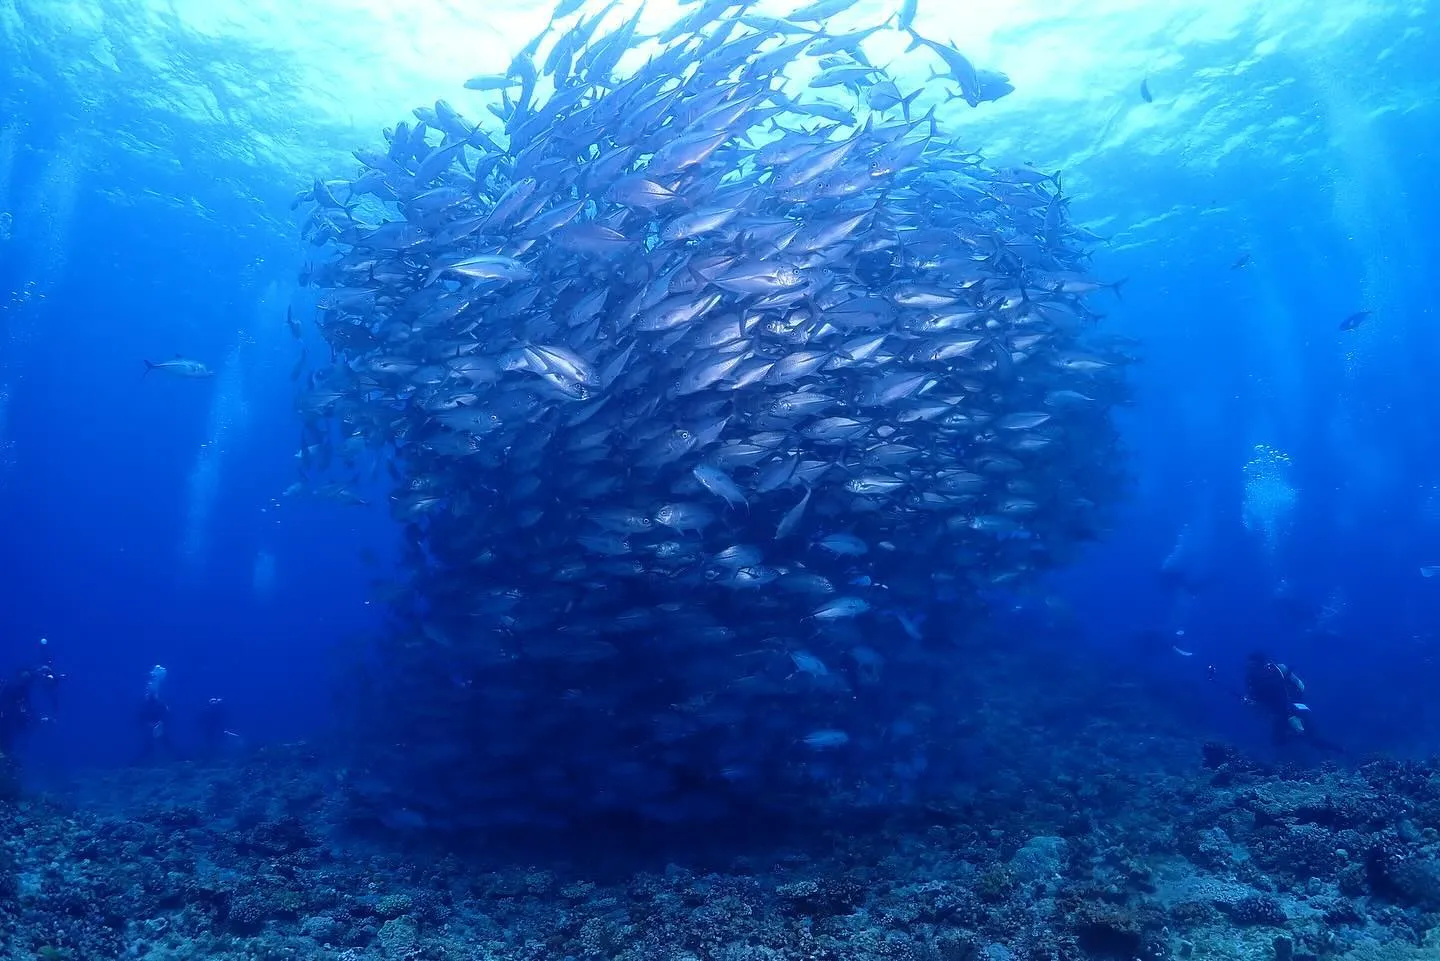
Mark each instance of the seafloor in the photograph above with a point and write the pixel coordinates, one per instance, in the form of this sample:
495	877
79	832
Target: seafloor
1088	832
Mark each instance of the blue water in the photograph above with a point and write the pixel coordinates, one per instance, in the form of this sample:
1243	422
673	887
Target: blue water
148	160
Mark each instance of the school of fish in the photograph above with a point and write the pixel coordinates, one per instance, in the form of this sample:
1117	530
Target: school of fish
714	393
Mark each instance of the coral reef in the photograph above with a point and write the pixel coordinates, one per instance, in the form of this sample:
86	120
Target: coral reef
262	859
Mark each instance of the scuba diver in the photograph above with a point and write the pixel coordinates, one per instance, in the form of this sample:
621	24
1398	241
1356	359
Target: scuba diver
18	702
1278	691
214	727
154	718
1184	574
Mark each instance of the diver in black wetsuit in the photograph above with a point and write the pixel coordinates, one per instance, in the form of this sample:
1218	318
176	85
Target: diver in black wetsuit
214	732
1280	693
154	720
18	702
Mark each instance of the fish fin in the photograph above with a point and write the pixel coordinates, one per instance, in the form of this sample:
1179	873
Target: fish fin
905	103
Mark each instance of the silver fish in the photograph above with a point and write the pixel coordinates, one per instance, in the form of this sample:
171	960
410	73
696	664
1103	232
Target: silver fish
695	358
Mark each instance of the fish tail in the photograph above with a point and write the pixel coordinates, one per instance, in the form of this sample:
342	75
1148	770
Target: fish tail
1117	285
915	39
148	367
905	103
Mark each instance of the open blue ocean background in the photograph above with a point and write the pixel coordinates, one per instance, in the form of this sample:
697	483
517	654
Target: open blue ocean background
149	154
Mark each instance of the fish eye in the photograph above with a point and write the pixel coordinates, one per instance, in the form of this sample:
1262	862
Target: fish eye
683	434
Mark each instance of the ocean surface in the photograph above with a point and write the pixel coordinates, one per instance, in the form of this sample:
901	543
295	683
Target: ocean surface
1273	178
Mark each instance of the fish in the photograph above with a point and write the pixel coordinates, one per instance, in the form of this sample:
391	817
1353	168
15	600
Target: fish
1430	571
843	544
694	365
1145	94
911	626
885	95
841	607
180	367
976	87
991	86
684	517
826	739
717	482
905	16
821	10
504	270
491	82
793	516
1355	320
1022	420
1240	261
807	663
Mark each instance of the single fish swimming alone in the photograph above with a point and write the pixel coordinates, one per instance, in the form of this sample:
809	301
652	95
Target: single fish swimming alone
1355	319
826	739
180	367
